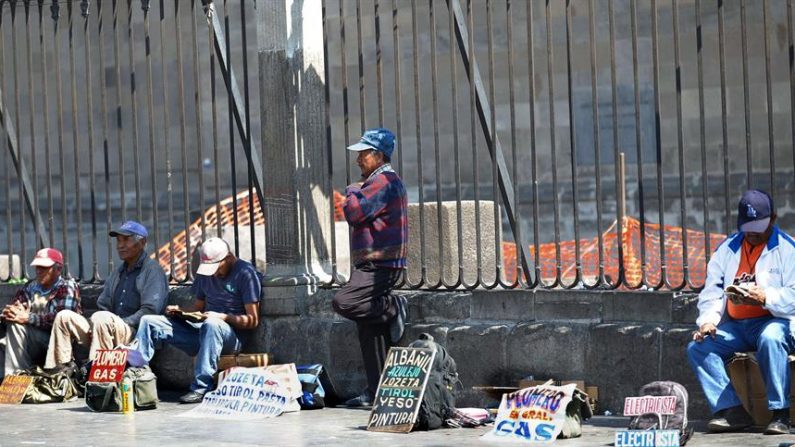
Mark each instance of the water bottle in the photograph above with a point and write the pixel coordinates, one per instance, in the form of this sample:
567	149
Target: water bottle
127	400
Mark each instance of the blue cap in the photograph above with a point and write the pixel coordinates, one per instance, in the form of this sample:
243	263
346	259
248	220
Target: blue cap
379	139
754	211
130	228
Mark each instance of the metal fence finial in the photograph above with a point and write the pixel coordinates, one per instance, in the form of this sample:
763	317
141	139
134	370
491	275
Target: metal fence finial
84	8
55	9
145	6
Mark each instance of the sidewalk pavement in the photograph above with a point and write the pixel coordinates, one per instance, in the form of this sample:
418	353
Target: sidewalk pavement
73	424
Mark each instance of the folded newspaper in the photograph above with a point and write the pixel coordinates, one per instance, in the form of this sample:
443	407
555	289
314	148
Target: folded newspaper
195	317
739	293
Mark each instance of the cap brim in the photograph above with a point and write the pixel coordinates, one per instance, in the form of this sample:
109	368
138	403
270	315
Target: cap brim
360	147
42	262
755	226
208	269
115	233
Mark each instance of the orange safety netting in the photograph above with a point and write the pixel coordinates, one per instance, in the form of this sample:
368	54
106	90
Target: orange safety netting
697	252
224	213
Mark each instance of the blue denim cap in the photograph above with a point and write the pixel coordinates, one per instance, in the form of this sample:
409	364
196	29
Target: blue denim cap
754	211
130	228
379	139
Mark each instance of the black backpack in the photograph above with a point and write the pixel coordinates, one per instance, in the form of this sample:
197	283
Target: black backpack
654	421
438	402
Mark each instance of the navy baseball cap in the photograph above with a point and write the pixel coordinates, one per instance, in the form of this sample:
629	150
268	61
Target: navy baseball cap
130	228
754	211
379	139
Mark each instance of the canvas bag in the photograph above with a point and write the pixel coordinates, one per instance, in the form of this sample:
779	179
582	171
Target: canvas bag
578	410
106	396
654	421
318	391
50	385
438	403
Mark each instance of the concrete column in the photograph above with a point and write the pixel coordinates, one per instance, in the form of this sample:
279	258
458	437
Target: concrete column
296	186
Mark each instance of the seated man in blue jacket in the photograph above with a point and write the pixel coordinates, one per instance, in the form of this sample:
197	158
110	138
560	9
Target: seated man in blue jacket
762	257
227	292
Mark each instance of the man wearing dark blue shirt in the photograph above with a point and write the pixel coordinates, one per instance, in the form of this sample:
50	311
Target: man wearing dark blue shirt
227	292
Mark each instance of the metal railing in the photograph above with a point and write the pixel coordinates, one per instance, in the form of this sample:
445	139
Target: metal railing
552	143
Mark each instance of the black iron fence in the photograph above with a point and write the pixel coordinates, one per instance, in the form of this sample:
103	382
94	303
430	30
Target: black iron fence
557	143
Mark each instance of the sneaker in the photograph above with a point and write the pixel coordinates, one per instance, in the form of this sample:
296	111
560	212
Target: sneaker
779	424
363	400
192	397
730	419
398	324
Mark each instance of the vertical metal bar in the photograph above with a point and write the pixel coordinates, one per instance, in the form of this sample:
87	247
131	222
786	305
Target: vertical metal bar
456	153
360	52
346	116
105	148
247	138
681	150
702	129
396	59
724	114
436	151
658	141
216	151
198	103
768	87
166	76
573	152
536	281
418	128
474	137
619	168
119	121
76	145
183	142
597	143
514	157
378	62
31	122
746	96
19	162
134	111
145	5
56	14
639	144
553	146
230	106
491	141
335	278
90	122
5	150
791	58
46	113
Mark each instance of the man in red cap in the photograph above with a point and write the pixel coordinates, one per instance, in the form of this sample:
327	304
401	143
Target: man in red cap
30	315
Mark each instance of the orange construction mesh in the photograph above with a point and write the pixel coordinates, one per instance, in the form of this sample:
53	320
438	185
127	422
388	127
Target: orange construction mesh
225	213
697	252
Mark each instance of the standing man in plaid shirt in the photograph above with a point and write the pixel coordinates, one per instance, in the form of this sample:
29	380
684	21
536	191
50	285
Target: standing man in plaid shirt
30	315
376	208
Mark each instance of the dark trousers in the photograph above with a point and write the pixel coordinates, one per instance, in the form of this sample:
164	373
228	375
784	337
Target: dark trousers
367	299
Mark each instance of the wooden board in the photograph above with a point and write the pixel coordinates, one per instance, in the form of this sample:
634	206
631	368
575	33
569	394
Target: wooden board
13	389
400	389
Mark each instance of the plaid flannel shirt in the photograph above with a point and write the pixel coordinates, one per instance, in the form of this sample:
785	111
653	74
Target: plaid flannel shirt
65	295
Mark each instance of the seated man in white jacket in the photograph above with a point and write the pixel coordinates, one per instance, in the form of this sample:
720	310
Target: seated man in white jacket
764	257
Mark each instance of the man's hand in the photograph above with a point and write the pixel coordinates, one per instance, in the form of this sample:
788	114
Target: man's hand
705	330
756	296
21	315
172	309
217	315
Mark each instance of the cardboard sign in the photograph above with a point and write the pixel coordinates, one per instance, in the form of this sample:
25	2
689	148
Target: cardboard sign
400	390
13	389
647	438
636	406
288	378
108	366
245	394
534	414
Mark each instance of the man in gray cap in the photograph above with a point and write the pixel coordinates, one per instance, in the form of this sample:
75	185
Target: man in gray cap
136	288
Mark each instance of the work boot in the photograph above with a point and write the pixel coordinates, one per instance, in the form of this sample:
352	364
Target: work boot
192	397
364	400
779	424
398	325
730	419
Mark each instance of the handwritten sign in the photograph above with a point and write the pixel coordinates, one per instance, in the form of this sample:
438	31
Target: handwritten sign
108	366
647	438
636	406
13	389
534	414
400	390
245	394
